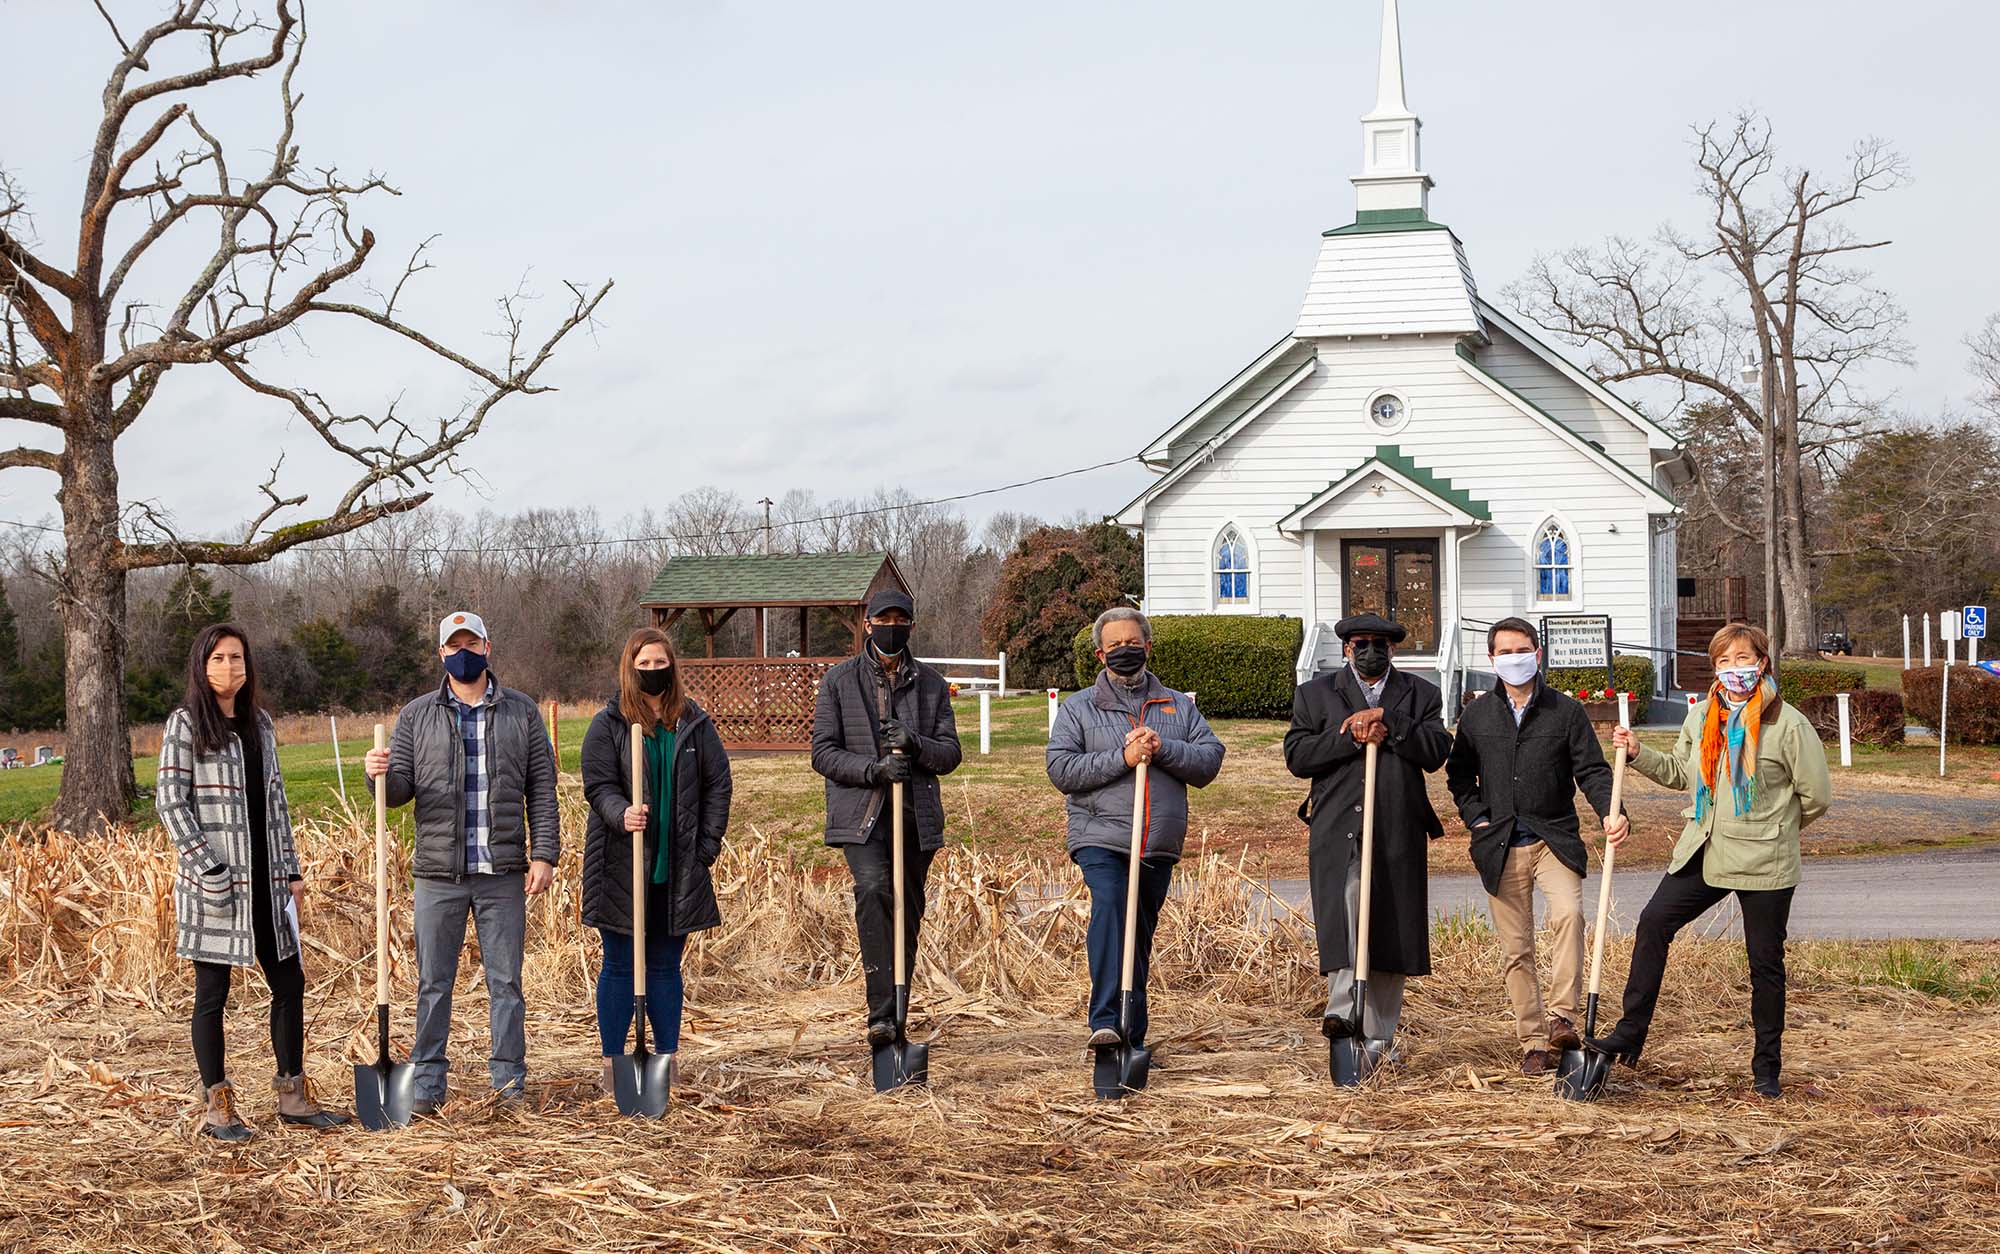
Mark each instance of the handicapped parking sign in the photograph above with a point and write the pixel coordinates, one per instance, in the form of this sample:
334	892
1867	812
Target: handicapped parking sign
1972	622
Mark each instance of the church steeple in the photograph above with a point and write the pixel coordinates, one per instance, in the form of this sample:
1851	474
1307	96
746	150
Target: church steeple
1392	177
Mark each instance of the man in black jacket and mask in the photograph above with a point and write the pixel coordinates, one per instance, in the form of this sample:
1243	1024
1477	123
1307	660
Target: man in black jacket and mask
883	718
1334	716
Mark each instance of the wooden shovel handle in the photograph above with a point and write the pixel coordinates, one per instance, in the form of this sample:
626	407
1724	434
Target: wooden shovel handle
1604	885
638	865
1364	914
382	875
1132	876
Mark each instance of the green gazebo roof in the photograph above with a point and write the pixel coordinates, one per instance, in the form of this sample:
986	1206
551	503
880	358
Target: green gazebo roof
773	579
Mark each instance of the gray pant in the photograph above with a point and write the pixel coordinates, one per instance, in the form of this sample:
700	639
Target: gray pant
1384	1000
499	908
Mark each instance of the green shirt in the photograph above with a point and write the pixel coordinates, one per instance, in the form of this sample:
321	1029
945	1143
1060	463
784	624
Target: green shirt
659	819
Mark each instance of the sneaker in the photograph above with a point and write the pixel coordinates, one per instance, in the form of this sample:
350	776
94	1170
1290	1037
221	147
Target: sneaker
1103	1037
220	1120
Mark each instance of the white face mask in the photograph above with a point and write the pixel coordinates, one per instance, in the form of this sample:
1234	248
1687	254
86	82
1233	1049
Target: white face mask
1516	668
1739	680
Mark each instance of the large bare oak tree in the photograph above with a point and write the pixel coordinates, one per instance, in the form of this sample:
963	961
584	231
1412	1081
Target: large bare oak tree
1770	277
82	358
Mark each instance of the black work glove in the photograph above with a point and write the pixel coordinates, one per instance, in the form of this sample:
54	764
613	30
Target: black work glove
897	737
894	769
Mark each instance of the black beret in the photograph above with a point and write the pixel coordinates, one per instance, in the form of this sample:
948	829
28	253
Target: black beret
1370	625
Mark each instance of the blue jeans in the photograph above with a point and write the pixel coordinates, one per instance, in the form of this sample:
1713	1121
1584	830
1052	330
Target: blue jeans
663	991
1104	872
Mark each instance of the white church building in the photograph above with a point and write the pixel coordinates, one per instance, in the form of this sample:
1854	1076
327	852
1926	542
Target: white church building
1410	449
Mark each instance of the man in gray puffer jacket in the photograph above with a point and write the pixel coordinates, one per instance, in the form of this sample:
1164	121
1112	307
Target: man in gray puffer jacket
1101	735
476	759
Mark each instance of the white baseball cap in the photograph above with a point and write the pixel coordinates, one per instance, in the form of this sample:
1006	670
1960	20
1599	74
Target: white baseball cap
463	620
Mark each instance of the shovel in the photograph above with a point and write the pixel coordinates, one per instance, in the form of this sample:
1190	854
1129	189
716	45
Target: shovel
901	1060
1353	1059
1122	1068
640	1081
1582	1072
384	1091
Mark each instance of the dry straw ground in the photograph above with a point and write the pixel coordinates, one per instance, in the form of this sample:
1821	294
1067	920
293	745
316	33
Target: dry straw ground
1889	1139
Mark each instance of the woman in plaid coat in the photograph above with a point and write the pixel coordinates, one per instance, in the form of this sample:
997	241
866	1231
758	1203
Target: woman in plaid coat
238	887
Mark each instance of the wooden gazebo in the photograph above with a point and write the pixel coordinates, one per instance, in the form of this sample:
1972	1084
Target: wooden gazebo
763	702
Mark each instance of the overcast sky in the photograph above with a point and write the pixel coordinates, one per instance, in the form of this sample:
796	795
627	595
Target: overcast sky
950	246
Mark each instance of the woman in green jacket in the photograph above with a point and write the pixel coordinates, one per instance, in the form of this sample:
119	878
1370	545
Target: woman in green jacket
1758	776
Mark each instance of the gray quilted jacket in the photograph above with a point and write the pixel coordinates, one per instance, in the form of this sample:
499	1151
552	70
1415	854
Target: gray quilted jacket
1086	760
201	800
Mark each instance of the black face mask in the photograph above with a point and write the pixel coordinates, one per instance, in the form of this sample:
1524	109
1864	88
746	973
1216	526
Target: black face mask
1371	659
890	638
654	683
1126	659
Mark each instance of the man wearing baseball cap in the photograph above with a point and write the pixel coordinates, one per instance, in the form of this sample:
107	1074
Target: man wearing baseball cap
881	718
476	759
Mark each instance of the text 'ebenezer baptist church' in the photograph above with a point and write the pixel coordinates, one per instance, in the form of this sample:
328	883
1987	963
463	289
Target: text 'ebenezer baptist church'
1412	450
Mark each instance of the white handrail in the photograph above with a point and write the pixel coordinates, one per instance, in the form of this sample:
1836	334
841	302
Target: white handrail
1309	653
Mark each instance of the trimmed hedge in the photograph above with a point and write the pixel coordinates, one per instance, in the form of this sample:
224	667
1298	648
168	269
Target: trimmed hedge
1630	672
1974	716
1798	680
1873	717
1237	665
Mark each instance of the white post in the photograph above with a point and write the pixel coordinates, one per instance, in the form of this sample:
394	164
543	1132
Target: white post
1052	711
1846	742
1972	650
985	721
1624	709
1906	642
1950	652
1944	710
1003	672
339	772
1927	640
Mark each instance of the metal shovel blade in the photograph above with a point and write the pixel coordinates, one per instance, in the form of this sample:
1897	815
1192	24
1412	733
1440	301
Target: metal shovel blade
1352	1059
900	1062
1581	1074
384	1096
641	1084
1120	1070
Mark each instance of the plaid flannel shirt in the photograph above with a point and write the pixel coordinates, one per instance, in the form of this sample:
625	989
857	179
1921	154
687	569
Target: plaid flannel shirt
478	776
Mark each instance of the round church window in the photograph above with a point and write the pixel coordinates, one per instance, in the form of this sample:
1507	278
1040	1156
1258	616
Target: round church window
1387	412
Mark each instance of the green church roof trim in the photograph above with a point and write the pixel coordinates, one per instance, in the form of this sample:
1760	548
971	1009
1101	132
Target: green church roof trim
1377	221
769	579
1393	457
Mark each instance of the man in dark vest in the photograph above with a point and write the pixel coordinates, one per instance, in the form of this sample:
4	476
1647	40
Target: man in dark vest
1333	717
883	718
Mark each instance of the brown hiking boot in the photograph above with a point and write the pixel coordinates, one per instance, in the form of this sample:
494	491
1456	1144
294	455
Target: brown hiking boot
297	1103
1537	1062
1562	1033
220	1120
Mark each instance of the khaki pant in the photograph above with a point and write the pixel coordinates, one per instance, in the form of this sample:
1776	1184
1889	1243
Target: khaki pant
1514	922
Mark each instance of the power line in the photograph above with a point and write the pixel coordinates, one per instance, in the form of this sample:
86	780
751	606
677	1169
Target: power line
672	537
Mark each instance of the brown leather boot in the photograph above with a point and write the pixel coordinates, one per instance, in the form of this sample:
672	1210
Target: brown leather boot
220	1120
1562	1034
1537	1062
297	1103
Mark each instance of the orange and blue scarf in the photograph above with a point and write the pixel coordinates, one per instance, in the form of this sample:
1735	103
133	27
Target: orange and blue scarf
1729	735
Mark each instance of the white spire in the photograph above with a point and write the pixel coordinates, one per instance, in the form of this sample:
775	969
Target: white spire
1389	101
1392	176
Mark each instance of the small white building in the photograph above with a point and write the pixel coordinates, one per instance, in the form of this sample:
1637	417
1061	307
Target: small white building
1409	449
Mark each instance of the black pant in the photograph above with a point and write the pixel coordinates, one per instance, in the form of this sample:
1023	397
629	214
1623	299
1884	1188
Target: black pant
875	910
1680	899
288	1000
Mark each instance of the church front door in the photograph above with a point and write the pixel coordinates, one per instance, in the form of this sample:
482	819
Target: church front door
1397	579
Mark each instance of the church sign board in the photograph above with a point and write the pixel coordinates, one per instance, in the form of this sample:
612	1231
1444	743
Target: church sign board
1578	642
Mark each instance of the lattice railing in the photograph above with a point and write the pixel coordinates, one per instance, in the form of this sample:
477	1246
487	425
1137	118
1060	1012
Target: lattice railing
758	703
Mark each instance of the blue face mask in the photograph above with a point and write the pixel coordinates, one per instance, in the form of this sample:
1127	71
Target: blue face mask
465	665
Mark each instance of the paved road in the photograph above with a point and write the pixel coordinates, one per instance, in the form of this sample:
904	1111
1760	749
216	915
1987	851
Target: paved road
1947	893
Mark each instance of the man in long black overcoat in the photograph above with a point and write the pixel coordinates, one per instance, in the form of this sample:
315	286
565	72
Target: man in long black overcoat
1333	716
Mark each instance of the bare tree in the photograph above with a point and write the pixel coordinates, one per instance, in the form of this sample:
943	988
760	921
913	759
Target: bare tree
1768	279
1985	366
286	247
